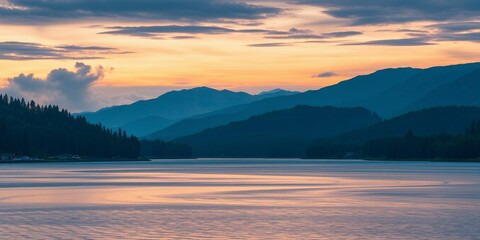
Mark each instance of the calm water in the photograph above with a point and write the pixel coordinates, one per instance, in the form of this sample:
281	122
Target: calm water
240	199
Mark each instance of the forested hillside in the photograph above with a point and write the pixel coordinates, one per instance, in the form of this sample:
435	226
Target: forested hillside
429	133
30	129
462	146
426	122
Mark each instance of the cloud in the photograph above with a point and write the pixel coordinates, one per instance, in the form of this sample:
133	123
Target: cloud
455	27
35	11
325	75
456	31
305	34
342	34
368	12
62	87
469	37
161	31
270	45
35	51
444	32
420	41
151	31
404	30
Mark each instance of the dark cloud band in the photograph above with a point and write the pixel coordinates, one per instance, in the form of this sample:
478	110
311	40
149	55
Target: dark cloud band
395	42
35	51
34	11
368	12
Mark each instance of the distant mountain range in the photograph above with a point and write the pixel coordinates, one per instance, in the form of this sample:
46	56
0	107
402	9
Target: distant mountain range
143	117
284	133
388	92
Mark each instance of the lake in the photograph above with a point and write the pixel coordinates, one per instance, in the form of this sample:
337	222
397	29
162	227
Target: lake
240	199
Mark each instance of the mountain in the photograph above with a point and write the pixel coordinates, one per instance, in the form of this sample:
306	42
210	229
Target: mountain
432	121
276	93
139	117
463	92
405	96
171	105
451	120
146	116
388	92
354	89
284	133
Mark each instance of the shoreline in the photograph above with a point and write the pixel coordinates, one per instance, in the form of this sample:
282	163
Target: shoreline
76	161
425	160
97	160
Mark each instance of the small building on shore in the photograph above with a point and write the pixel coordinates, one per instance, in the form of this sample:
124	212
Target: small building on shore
66	157
7	156
22	158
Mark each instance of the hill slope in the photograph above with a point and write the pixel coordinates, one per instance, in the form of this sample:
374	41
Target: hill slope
388	92
432	121
143	126
428	122
137	118
171	105
41	131
462	92
406	95
354	89
284	133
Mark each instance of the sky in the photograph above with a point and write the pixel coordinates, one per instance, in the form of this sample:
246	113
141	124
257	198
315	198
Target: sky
88	54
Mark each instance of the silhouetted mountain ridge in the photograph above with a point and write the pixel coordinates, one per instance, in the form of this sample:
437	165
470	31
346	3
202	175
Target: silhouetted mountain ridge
171	106
388	92
283	133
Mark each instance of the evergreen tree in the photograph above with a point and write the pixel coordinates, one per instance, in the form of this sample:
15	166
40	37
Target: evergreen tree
30	129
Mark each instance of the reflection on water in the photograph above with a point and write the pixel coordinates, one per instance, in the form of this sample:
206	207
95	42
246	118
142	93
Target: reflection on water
240	199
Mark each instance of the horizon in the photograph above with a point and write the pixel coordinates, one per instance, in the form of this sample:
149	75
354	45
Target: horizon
153	92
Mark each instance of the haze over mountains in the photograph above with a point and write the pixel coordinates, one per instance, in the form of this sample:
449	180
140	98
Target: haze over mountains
388	92
143	117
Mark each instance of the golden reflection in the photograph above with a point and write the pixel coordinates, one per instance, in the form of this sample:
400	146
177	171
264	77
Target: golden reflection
205	189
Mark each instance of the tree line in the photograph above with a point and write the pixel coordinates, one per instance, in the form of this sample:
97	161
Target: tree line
442	146
27	128
463	146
